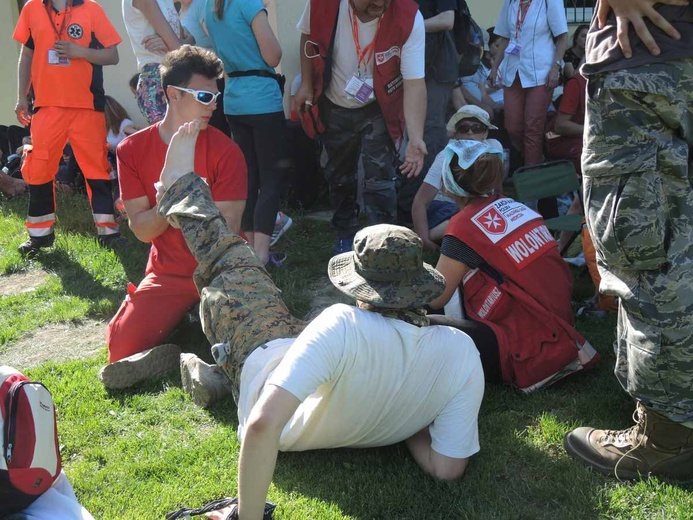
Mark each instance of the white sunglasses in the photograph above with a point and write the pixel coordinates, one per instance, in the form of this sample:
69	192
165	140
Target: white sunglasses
204	97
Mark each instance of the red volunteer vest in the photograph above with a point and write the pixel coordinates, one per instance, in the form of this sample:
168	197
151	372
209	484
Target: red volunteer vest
528	307
396	25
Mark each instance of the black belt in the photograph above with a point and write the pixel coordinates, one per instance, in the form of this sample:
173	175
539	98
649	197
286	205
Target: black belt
279	78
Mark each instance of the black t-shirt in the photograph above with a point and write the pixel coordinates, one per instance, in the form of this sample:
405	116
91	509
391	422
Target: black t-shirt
441	55
603	53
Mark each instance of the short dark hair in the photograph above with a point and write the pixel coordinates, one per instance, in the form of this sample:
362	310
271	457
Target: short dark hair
179	66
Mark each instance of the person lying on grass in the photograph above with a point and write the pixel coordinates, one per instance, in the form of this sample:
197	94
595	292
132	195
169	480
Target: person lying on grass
356	376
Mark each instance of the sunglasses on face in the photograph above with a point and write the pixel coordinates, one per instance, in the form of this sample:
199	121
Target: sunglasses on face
204	97
474	128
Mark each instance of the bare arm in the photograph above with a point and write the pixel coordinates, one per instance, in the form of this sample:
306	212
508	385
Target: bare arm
155	17
414	116
496	63
453	271
21	109
105	56
565	127
259	449
422	200
458	99
441	22
555	73
634	12
270	49
232	211
304	94
144	220
432	462
568	70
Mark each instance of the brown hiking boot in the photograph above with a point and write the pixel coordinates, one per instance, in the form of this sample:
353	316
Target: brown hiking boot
206	384
656	445
139	367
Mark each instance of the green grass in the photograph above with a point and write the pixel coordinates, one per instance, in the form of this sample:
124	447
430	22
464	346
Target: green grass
143	453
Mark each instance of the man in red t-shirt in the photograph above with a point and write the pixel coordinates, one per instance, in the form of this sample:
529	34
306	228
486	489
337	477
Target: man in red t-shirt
65	44
152	310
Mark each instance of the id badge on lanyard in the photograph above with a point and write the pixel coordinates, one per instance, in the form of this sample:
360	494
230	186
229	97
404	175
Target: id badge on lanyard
514	47
53	57
359	86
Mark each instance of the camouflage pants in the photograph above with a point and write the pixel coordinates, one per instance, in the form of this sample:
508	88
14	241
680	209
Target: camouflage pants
239	304
639	203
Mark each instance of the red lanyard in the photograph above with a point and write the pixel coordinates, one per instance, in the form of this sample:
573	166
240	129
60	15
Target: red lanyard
522	10
364	55
49	12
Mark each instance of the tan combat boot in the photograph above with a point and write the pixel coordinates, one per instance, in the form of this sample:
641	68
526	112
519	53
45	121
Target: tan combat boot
656	445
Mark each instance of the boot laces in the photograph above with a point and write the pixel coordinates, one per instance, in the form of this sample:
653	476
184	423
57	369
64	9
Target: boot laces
640	428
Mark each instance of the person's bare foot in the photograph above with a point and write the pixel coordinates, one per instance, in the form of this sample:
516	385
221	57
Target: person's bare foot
180	157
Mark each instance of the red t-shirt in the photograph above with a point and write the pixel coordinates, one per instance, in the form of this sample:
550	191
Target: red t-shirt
217	159
573	100
79	84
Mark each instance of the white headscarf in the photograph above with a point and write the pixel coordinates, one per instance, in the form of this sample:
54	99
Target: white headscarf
467	153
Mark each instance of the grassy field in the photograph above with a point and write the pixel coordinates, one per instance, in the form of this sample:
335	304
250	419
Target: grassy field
142	453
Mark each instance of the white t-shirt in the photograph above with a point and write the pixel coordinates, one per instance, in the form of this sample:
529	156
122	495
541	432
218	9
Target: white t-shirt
365	380
434	177
537	49
138	27
114	140
58	503
345	60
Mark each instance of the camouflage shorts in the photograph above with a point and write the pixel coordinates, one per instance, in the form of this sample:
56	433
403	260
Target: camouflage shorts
639	204
239	304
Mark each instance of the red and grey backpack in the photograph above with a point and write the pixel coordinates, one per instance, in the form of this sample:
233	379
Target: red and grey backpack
30	460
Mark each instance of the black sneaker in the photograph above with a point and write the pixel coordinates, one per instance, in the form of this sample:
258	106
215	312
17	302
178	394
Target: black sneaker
32	246
114	241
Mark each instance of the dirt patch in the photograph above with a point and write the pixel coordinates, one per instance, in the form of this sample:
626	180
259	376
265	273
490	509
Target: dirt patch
57	342
324	295
22	282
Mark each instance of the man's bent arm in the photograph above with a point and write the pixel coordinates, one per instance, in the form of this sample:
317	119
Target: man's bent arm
432	462
259	449
105	56
144	220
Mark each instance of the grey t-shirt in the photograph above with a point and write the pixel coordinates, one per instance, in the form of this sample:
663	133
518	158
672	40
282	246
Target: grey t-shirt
603	53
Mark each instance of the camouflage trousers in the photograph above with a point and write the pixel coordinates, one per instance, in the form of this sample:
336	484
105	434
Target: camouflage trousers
239	304
639	203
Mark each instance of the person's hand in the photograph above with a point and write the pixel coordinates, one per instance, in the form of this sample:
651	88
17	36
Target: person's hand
154	43
634	12
413	158
429	245
160	190
492	77
553	77
223	514
303	99
69	50
21	109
